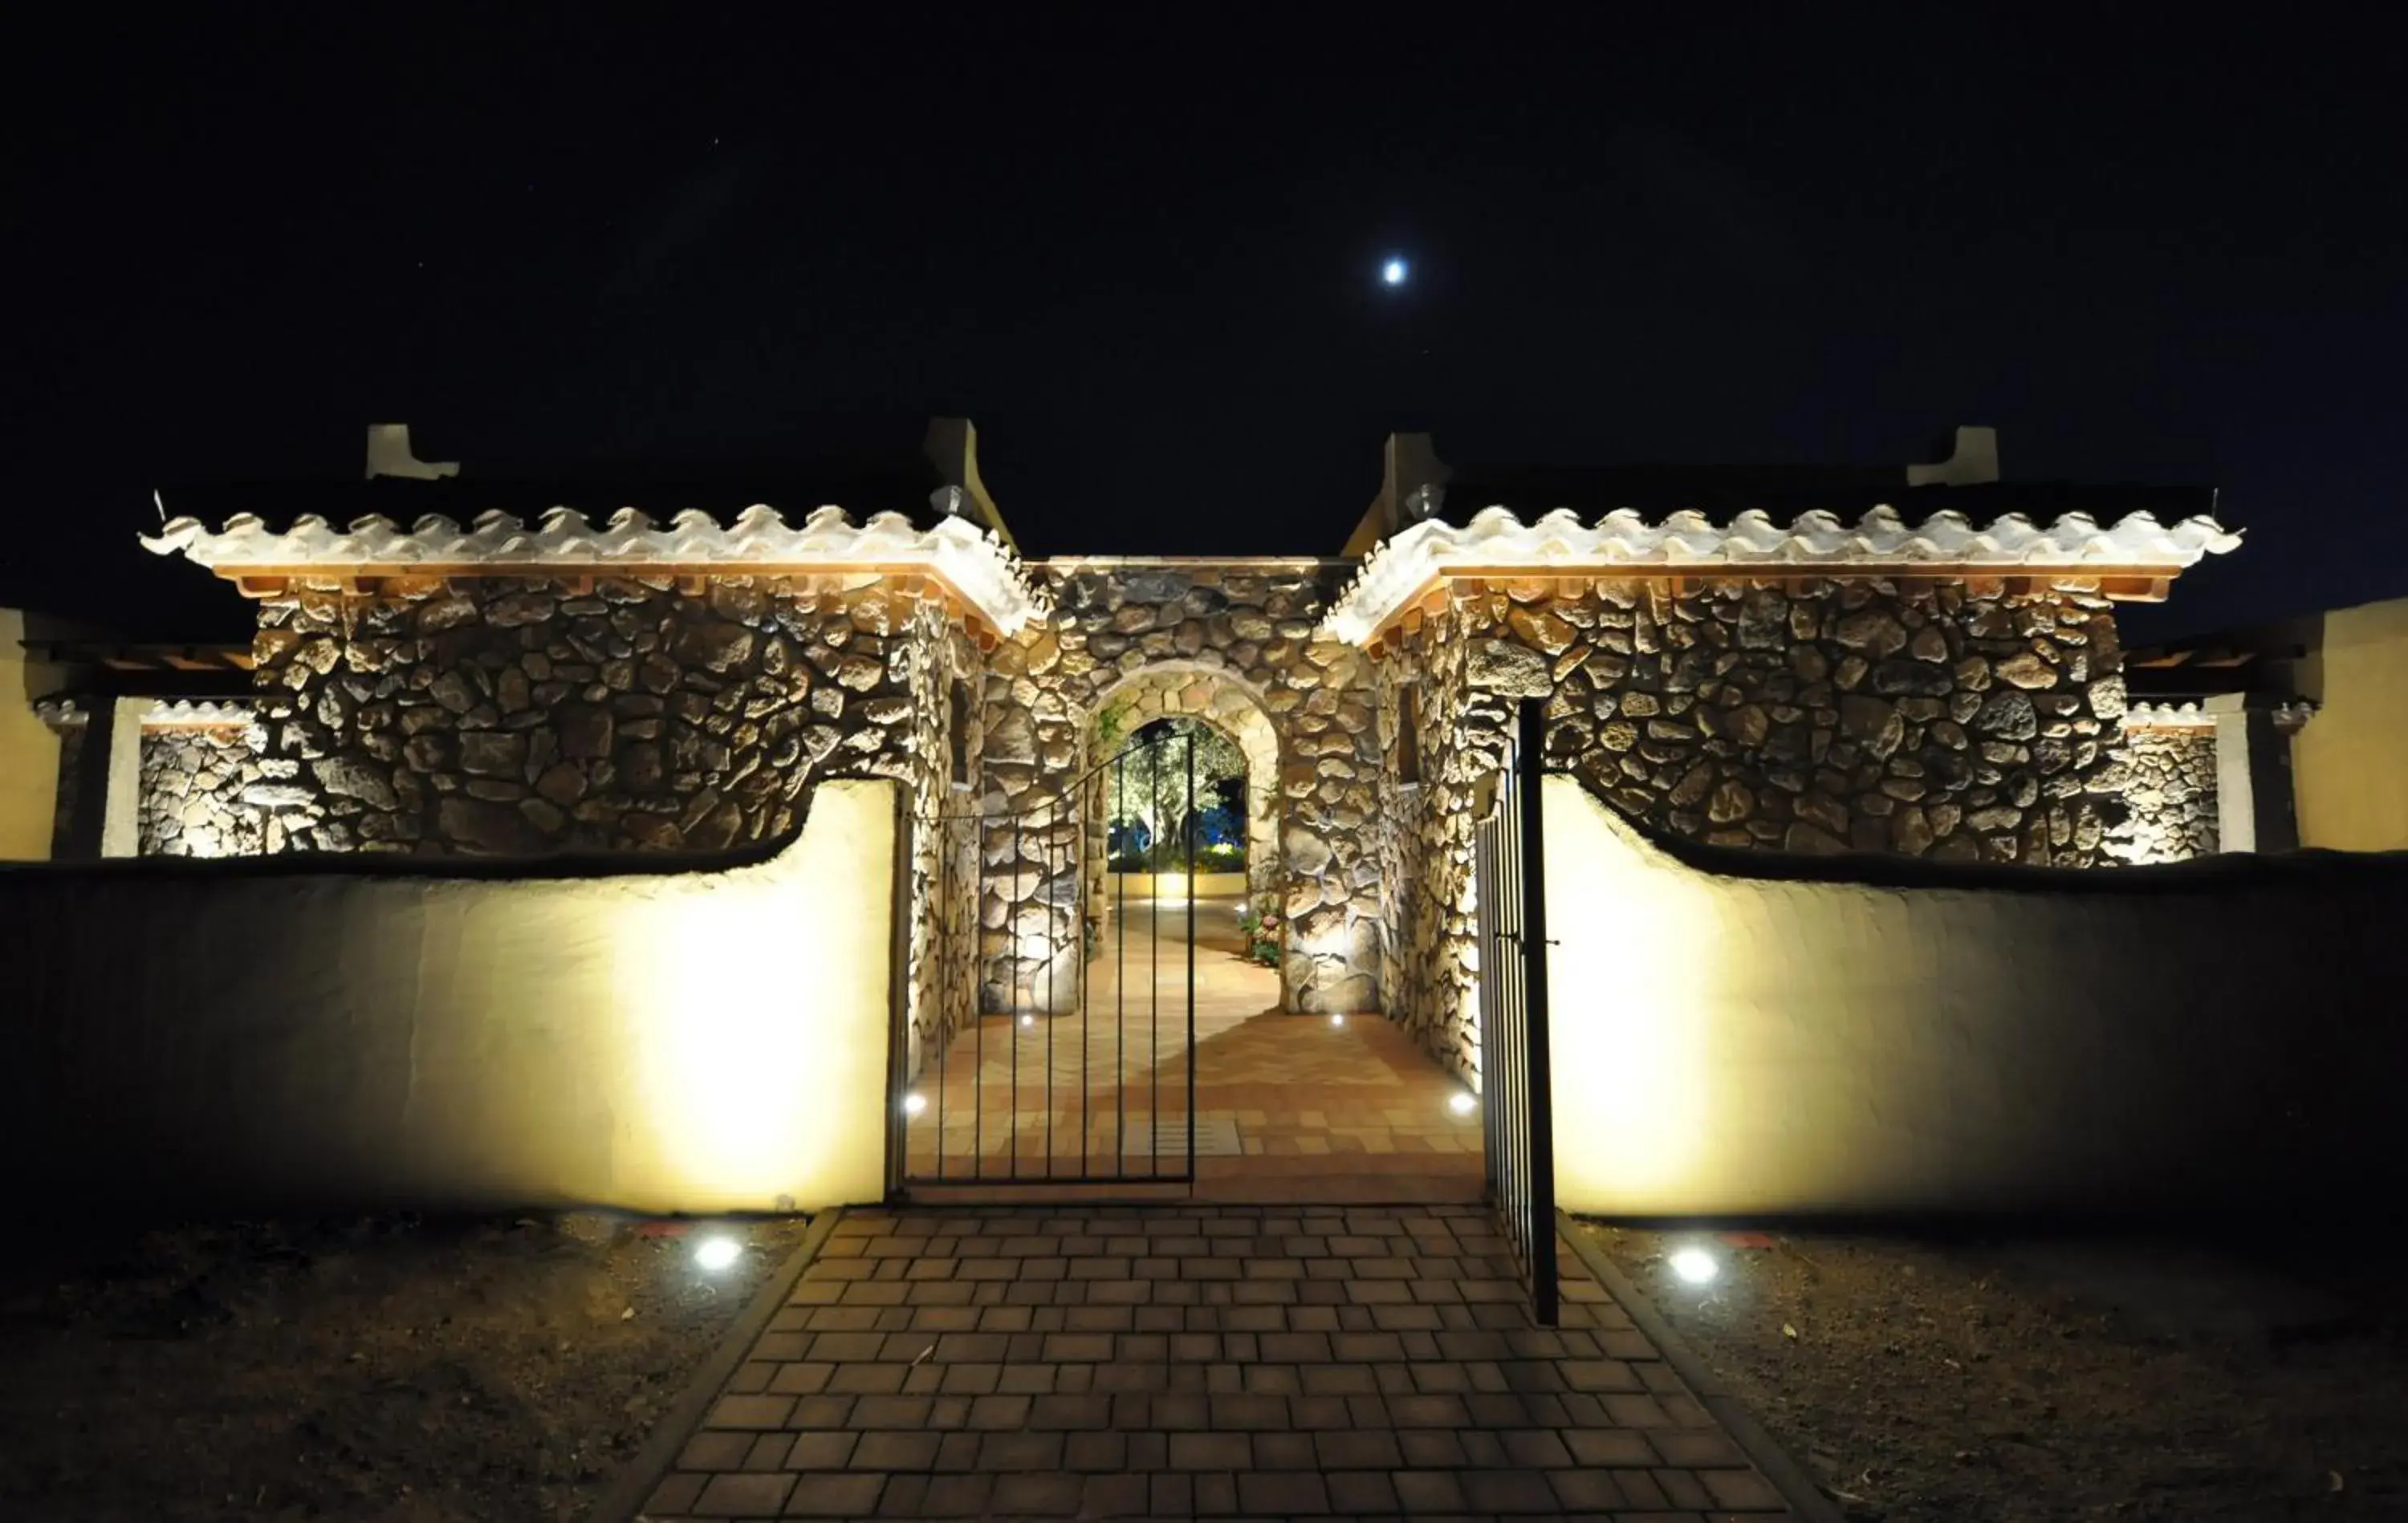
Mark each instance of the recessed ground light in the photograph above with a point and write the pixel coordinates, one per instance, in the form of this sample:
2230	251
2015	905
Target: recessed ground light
717	1251
1461	1103
914	1104
1338	1021
1028	1020
1695	1265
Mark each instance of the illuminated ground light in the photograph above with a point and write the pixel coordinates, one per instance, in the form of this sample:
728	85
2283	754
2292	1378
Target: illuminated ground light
1338	1021
914	1104
1696	1266
1461	1103
717	1252
1028	1020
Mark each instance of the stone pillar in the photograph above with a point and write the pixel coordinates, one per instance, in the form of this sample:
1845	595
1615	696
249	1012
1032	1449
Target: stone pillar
109	781
2255	809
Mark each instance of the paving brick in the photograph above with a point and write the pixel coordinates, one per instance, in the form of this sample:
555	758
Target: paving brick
714	1451
1507	1491
1682	1488
1211	1451
751	1412
675	1494
1096	1452
1337	1380
866	1379
1433	1449
1617	1447
957	1496
1696	1448
1170	1496
1282	1493
1362	1491
999	1452
893	1451
1005	1412
899	1411
1216	1493
1428	1412
1250	1414
1058	1413
1585	1491
1427	1491
743	1496
819	1451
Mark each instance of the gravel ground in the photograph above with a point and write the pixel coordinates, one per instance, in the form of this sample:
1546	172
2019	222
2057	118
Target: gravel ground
380	1369
1964	1380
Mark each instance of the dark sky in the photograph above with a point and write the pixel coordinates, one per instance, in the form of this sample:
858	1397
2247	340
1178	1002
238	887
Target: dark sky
1145	263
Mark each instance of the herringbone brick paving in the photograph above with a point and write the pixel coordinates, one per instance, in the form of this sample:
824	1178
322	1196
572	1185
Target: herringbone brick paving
1200	1362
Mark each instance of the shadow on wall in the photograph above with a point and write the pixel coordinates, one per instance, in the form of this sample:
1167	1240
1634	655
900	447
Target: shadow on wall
334	1032
1740	1033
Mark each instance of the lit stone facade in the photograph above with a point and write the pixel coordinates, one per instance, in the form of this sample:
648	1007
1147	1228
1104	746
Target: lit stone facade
1240	646
195	779
1936	688
2167	782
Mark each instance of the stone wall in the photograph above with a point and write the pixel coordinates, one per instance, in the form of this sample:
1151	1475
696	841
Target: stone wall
510	716
2168	783
502	715
1918	719
193	782
1254	629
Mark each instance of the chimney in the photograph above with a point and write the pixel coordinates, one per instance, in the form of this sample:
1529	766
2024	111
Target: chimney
952	448
1972	462
389	455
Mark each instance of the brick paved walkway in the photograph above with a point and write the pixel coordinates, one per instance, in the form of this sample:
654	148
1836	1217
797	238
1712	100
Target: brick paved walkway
1186	1362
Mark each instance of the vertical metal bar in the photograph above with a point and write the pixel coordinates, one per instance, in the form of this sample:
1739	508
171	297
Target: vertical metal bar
1051	999
1120	980
1153	982
1538	1061
1190	954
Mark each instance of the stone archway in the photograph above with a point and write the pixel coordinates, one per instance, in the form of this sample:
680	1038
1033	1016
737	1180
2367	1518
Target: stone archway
1189	690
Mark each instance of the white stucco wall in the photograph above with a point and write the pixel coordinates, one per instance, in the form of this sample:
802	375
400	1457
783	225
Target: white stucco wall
1741	1035
29	755
290	1031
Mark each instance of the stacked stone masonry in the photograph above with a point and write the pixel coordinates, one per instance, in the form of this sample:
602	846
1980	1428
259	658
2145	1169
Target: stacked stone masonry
519	717
1222	631
194	778
2167	779
1821	715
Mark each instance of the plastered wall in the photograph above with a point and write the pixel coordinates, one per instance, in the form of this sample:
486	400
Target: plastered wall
2350	762
29	755
294	1031
1744	1034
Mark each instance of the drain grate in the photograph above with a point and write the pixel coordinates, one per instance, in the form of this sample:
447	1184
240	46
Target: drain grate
1215	1137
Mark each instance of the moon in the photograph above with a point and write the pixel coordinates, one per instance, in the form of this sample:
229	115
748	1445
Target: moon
1393	270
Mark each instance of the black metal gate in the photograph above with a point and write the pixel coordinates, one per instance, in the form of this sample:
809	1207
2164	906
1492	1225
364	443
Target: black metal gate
1517	1102
1078	1064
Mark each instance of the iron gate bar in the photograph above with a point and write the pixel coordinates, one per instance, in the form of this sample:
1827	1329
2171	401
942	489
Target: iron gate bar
1518	1119
1040	828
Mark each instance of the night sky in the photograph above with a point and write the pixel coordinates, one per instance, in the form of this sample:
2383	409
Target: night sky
1147	263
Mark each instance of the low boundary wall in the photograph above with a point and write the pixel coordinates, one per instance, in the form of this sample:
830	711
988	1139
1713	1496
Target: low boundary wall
655	1034
1740	1033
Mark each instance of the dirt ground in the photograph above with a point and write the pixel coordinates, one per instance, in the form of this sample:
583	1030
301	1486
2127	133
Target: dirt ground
389	1369
1966	1379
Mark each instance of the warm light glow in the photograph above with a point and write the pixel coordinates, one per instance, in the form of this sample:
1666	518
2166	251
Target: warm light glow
1636	1121
717	1252
755	1083
1338	1021
914	1104
1461	1103
1170	887
1028	1020
1392	273
1696	1266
